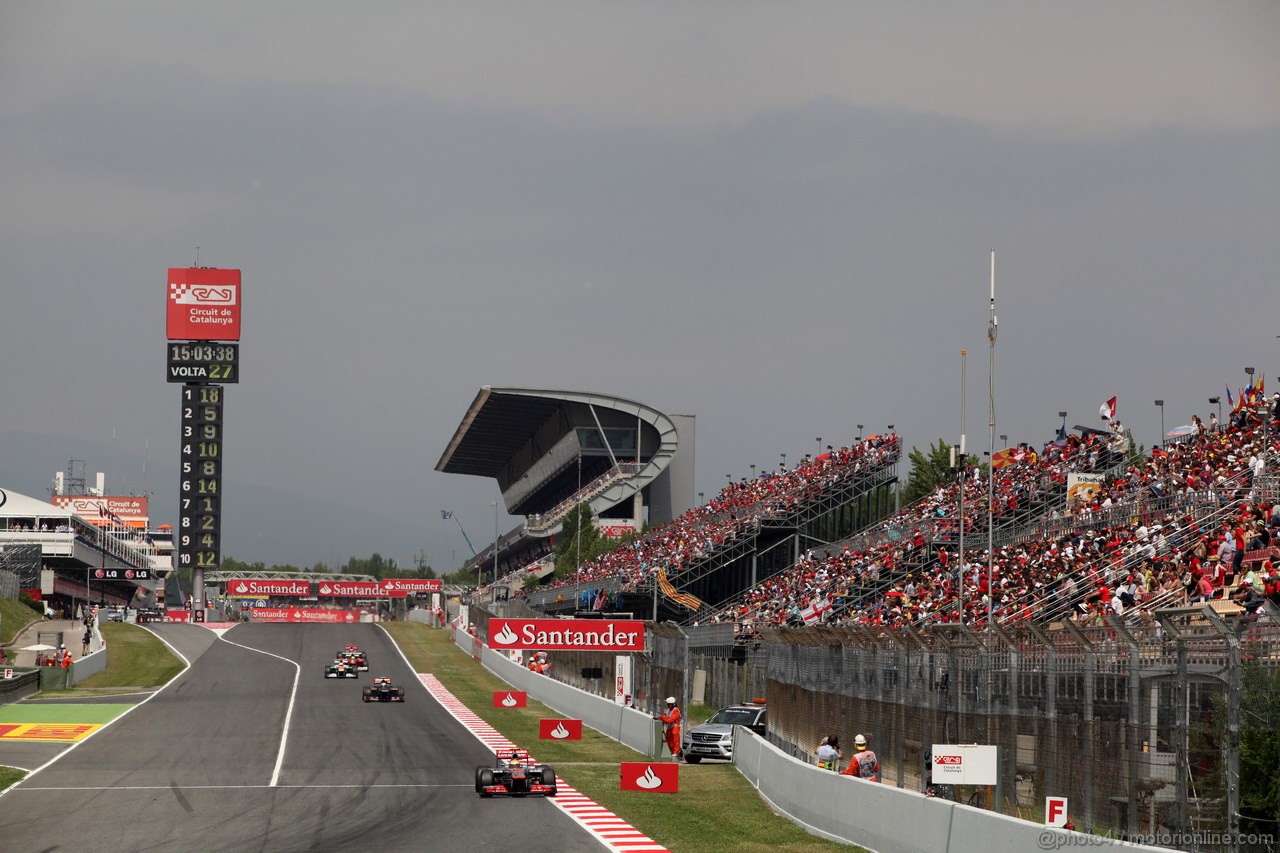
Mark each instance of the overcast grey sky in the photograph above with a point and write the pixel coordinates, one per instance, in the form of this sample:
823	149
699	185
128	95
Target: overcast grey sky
774	216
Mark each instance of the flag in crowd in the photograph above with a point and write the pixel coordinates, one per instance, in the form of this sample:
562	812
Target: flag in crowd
1108	409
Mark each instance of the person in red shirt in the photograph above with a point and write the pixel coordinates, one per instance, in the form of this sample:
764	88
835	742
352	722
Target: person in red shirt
863	763
671	727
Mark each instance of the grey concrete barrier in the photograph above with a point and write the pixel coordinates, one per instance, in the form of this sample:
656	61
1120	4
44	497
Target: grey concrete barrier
87	666
626	725
25	682
891	820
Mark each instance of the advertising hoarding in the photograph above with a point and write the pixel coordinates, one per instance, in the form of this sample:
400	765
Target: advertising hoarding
203	304
603	635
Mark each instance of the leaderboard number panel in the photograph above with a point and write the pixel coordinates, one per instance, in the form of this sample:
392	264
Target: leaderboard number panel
200	508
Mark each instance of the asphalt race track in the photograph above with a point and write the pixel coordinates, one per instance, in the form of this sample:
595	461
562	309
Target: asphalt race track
195	767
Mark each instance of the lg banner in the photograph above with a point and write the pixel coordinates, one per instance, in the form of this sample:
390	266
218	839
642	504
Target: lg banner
656	777
560	729
510	699
204	304
567	635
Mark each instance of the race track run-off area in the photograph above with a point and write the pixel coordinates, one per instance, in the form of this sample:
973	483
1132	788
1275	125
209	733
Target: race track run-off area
613	831
252	749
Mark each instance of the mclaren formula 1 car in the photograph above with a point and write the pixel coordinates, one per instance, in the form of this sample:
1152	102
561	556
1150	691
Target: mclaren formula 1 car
340	669
382	690
515	774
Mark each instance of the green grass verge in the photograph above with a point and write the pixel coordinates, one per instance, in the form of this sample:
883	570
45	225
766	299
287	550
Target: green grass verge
10	776
135	658
715	810
14	616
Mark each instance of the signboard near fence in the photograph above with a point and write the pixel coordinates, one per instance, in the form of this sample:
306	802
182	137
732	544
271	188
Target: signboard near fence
964	764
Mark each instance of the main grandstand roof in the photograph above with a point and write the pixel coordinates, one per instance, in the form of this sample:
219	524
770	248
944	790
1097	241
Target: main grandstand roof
498	422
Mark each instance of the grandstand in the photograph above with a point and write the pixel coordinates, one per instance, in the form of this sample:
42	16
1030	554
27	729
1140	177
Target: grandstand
549	451
86	558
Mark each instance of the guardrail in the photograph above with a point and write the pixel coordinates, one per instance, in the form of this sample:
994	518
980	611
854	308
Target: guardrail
888	819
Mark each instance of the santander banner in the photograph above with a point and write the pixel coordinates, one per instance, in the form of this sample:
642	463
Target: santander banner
244	586
204	304
299	614
560	729
510	699
406	585
602	635
356	589
656	777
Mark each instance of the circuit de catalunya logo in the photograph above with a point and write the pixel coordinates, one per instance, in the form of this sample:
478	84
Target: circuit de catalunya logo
623	635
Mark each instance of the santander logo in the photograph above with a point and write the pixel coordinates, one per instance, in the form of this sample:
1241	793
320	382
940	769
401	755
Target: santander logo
510	701
506	635
242	587
325	589
559	732
649	781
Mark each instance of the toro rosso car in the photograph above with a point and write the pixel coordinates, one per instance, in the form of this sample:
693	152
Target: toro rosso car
515	774
382	690
340	669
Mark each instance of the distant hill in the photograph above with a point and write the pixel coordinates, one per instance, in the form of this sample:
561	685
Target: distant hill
261	523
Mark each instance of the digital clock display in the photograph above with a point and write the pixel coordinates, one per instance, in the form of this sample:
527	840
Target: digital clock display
199	534
203	362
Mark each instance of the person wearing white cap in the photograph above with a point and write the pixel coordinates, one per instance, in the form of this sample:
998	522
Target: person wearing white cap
671	727
863	762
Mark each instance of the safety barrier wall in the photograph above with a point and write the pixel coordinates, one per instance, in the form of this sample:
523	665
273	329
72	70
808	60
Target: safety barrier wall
626	725
886	819
87	666
25	682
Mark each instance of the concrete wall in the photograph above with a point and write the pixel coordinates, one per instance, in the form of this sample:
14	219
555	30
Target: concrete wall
625	725
891	820
87	666
25	682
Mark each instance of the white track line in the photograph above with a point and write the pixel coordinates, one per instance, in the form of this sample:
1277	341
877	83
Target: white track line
288	714
609	829
186	666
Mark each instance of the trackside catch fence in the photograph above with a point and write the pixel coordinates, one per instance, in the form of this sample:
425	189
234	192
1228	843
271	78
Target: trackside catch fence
1137	725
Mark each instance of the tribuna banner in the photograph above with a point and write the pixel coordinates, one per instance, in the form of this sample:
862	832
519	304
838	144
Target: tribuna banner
603	635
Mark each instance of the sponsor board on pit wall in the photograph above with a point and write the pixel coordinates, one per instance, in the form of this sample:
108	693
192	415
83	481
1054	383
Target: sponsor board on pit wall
301	614
510	699
604	635
204	304
655	777
560	729
258	588
177	616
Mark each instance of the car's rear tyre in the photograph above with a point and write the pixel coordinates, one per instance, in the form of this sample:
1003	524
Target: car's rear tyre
692	759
